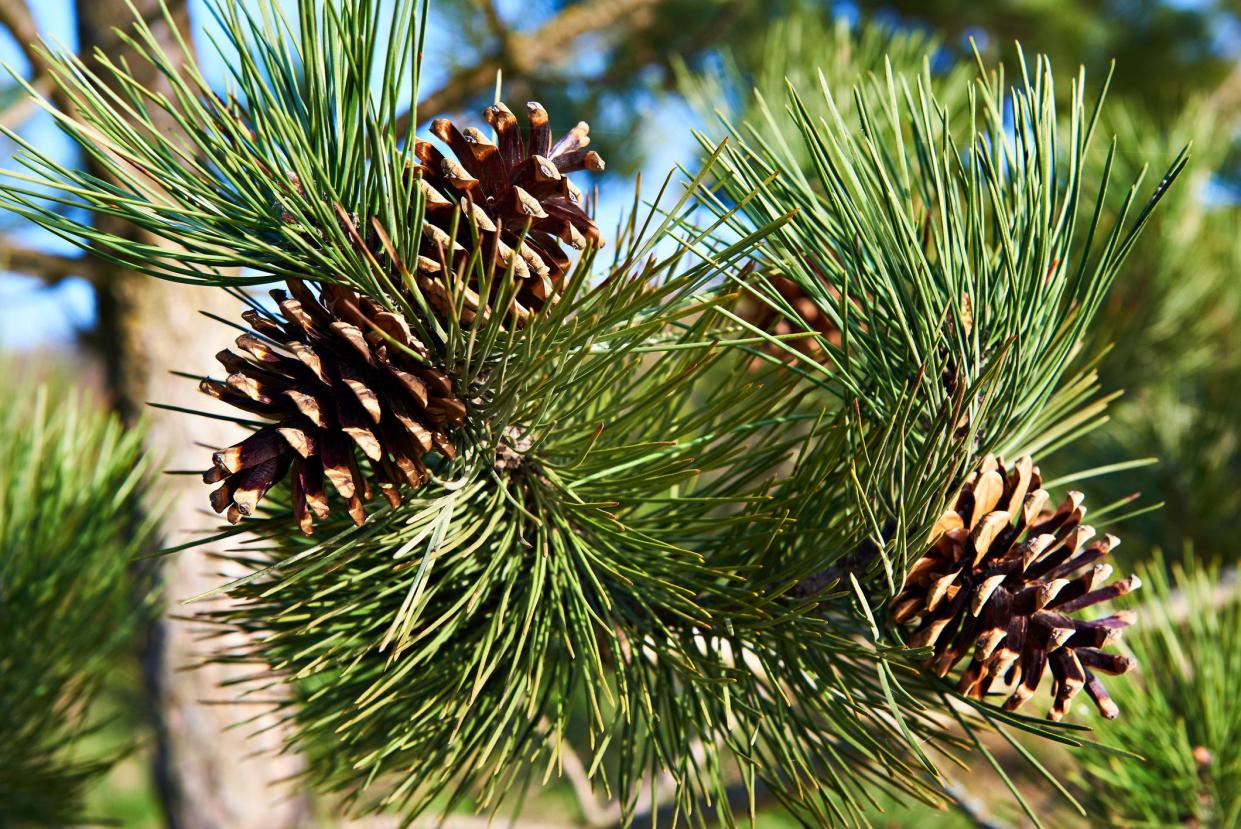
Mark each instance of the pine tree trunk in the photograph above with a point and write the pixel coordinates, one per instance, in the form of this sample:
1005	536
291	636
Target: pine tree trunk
210	775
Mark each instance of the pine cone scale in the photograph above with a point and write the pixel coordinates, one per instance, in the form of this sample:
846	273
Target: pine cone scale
508	134
252	483
260	447
300	439
1001	578
539	136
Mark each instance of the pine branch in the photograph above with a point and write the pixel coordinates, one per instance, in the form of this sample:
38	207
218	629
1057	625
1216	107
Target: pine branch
522	54
49	268
571	494
71	480
924	229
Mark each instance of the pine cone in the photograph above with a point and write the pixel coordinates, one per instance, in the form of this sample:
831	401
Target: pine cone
506	187
762	316
329	379
517	186
1001	579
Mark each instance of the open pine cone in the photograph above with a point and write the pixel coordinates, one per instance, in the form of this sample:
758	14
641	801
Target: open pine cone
506	187
330	382
1000	580
514	191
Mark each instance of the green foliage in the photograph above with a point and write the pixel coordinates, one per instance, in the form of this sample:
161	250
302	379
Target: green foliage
1181	717
71	483
948	254
960	259
1163	50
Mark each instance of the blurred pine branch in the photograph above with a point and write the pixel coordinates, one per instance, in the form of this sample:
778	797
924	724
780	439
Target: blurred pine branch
72	482
1184	722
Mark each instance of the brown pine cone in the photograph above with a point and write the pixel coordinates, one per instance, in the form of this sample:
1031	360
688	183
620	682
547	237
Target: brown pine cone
514	186
1001	579
762	316
515	192
332	381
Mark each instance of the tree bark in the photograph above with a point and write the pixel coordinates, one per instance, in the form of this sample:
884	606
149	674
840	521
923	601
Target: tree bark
211	771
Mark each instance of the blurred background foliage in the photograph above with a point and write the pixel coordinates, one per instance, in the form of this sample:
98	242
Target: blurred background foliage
72	522
1182	718
1173	322
644	72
